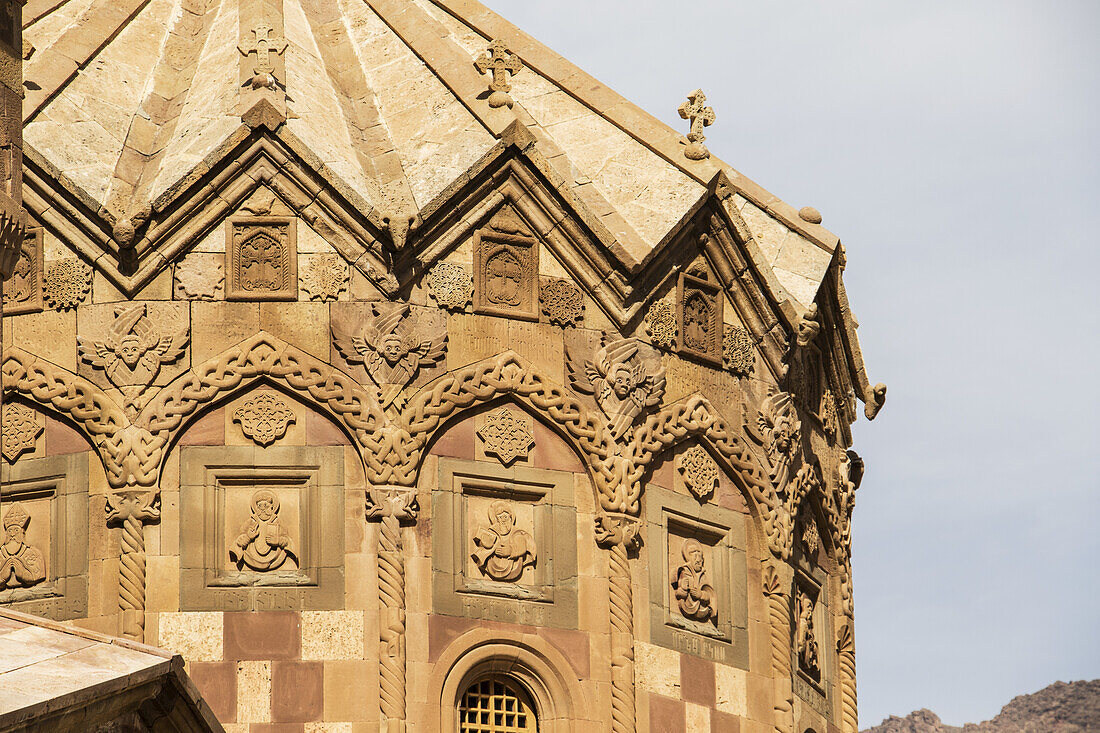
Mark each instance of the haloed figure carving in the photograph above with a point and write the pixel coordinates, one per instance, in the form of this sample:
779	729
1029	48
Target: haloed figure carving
263	543
502	551
694	596
20	564
804	634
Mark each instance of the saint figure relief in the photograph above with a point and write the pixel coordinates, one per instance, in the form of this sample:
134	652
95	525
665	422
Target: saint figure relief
694	595
804	634
263	543
21	565
502	551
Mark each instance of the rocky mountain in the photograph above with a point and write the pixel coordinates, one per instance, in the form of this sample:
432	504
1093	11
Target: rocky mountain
1072	707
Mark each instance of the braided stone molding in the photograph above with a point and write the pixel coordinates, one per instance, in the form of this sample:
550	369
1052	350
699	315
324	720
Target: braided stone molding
132	510
391	506
777	588
846	662
619	534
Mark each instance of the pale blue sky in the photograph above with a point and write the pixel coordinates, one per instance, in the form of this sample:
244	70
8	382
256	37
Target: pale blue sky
953	146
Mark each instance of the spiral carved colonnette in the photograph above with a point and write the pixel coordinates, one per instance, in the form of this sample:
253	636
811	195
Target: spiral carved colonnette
131	510
622	642
391	592
846	661
779	613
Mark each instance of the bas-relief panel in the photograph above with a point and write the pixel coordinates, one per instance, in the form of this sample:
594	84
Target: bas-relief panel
812	628
273	535
697	564
261	258
23	292
500	550
44	554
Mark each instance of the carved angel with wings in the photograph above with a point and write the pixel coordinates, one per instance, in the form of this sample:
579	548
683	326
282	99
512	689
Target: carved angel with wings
778	431
132	354
390	348
626	376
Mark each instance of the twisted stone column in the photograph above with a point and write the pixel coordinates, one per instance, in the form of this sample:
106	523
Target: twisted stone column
619	535
390	506
777	588
846	662
131	510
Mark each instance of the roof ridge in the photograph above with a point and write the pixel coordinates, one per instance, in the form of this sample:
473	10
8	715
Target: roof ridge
88	634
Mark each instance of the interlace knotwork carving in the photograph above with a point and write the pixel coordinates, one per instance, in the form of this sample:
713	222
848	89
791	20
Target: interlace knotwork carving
450	285
325	277
66	284
805	636
737	351
391	348
694	596
132	354
846	664
263	543
132	510
498	61
501	550
699	470
626	376
660	324
506	435
200	277
701	116
562	303
264	418
21	565
263	45
808	537
21	430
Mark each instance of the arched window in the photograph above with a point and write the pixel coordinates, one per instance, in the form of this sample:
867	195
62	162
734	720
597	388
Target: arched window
496	704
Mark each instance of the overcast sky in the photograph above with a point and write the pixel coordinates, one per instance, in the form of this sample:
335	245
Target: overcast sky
952	146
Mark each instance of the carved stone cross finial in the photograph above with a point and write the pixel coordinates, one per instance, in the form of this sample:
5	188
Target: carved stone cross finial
501	62
701	116
263	46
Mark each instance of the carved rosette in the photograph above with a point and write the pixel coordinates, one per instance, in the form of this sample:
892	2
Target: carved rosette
699	470
562	303
66	284
325	277
450	285
660	323
506	435
200	277
737	351
264	418
20	430
132	510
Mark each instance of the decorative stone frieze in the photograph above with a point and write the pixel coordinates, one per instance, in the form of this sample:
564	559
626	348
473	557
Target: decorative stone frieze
499	62
262	257
200	276
450	285
700	318
23	292
325	277
264	418
20	430
506	267
502	550
701	116
506	435
66	284
626	376
738	354
562	303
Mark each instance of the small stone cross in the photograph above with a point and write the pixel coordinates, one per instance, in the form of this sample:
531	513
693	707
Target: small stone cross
700	116
263	46
498	59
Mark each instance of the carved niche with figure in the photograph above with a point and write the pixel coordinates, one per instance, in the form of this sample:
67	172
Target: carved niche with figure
21	566
694	596
23	292
262	258
501	550
700	316
507	267
264	544
806	637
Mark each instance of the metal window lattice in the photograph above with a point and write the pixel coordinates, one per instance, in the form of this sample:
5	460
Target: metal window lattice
494	706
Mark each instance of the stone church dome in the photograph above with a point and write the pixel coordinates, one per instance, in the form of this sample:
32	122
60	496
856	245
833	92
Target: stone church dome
401	376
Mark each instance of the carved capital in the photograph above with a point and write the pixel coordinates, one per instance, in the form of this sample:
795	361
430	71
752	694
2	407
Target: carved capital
777	580
139	504
618	529
385	501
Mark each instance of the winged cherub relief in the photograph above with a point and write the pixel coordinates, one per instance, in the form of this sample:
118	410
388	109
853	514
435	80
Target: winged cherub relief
391	348
626	376
778	429
132	354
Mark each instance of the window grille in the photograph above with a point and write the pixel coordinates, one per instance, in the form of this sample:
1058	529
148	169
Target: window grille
496	705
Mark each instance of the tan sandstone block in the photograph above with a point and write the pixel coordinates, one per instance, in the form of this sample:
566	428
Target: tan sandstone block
254	692
332	634
351	690
731	690
328	728
697	718
197	636
49	334
298	324
658	669
228	325
163	577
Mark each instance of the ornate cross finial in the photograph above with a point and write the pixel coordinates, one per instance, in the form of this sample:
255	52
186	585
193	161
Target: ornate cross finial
263	46
701	116
498	59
